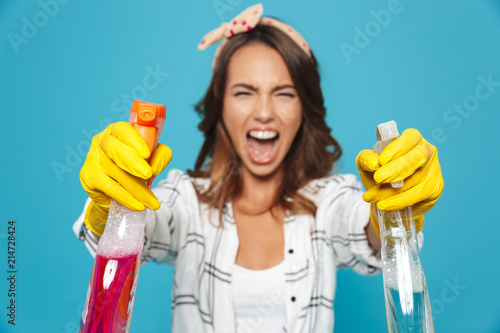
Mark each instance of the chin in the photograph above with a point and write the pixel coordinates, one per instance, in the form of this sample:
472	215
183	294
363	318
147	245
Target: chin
263	171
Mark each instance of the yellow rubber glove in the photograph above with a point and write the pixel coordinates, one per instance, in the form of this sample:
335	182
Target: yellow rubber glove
410	158
115	167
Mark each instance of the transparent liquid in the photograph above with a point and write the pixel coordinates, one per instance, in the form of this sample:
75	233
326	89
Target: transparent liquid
404	284
112	289
405	318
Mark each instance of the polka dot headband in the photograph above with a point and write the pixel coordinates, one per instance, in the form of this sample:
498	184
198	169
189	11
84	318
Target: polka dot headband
246	21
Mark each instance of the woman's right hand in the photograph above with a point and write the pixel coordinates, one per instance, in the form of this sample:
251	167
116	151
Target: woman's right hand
116	168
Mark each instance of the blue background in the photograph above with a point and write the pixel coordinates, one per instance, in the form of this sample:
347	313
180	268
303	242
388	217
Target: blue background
66	79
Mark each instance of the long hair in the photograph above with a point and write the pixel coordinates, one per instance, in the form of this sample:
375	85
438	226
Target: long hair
313	152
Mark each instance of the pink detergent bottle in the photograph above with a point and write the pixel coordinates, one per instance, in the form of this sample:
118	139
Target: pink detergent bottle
110	296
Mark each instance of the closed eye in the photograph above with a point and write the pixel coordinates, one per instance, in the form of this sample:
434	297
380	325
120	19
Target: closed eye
286	95
241	93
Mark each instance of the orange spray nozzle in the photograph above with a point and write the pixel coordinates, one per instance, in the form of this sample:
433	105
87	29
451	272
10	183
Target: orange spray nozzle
148	119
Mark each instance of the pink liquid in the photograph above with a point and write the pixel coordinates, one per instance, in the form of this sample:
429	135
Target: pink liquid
111	296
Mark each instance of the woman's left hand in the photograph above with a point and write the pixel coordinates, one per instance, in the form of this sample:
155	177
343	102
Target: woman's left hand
410	158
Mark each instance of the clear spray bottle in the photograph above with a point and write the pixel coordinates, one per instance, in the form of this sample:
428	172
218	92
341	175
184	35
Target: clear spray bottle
110	296
407	301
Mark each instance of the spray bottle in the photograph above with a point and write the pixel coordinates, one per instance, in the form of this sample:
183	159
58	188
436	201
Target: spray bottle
110	296
406	297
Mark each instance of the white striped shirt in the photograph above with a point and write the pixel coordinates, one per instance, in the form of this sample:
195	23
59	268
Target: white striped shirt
185	233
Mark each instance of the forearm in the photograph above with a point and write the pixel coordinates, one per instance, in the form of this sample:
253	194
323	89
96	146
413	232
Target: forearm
373	239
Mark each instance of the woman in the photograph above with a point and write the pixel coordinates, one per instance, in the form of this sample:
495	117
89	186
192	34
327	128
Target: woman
257	230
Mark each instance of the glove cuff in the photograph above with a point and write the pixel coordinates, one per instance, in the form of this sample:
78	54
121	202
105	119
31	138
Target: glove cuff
419	223
374	219
96	217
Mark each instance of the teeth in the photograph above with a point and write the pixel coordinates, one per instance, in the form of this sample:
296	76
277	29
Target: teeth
263	135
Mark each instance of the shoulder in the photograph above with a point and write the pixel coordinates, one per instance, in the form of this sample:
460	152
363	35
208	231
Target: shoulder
177	176
336	184
180	182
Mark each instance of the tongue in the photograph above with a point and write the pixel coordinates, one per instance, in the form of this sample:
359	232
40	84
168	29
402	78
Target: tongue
260	149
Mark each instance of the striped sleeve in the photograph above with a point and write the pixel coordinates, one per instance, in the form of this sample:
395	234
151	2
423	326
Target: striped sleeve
168	227
343	214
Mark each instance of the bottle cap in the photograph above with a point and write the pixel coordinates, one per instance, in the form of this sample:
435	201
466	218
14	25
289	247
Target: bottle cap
148	119
387	131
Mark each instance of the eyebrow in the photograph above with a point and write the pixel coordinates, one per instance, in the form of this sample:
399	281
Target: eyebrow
252	88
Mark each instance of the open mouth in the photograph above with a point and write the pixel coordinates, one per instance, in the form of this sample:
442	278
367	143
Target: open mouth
262	145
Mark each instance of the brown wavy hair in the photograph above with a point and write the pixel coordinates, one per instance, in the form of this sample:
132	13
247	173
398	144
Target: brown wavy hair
313	152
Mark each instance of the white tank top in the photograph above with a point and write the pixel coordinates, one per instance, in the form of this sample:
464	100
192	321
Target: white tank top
259	299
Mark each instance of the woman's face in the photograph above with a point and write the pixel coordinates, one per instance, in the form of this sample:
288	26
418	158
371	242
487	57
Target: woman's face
262	111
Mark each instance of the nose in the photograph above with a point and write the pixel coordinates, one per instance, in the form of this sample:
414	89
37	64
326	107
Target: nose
264	110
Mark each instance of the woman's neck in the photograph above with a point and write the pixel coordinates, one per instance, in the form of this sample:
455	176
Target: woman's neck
258	194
